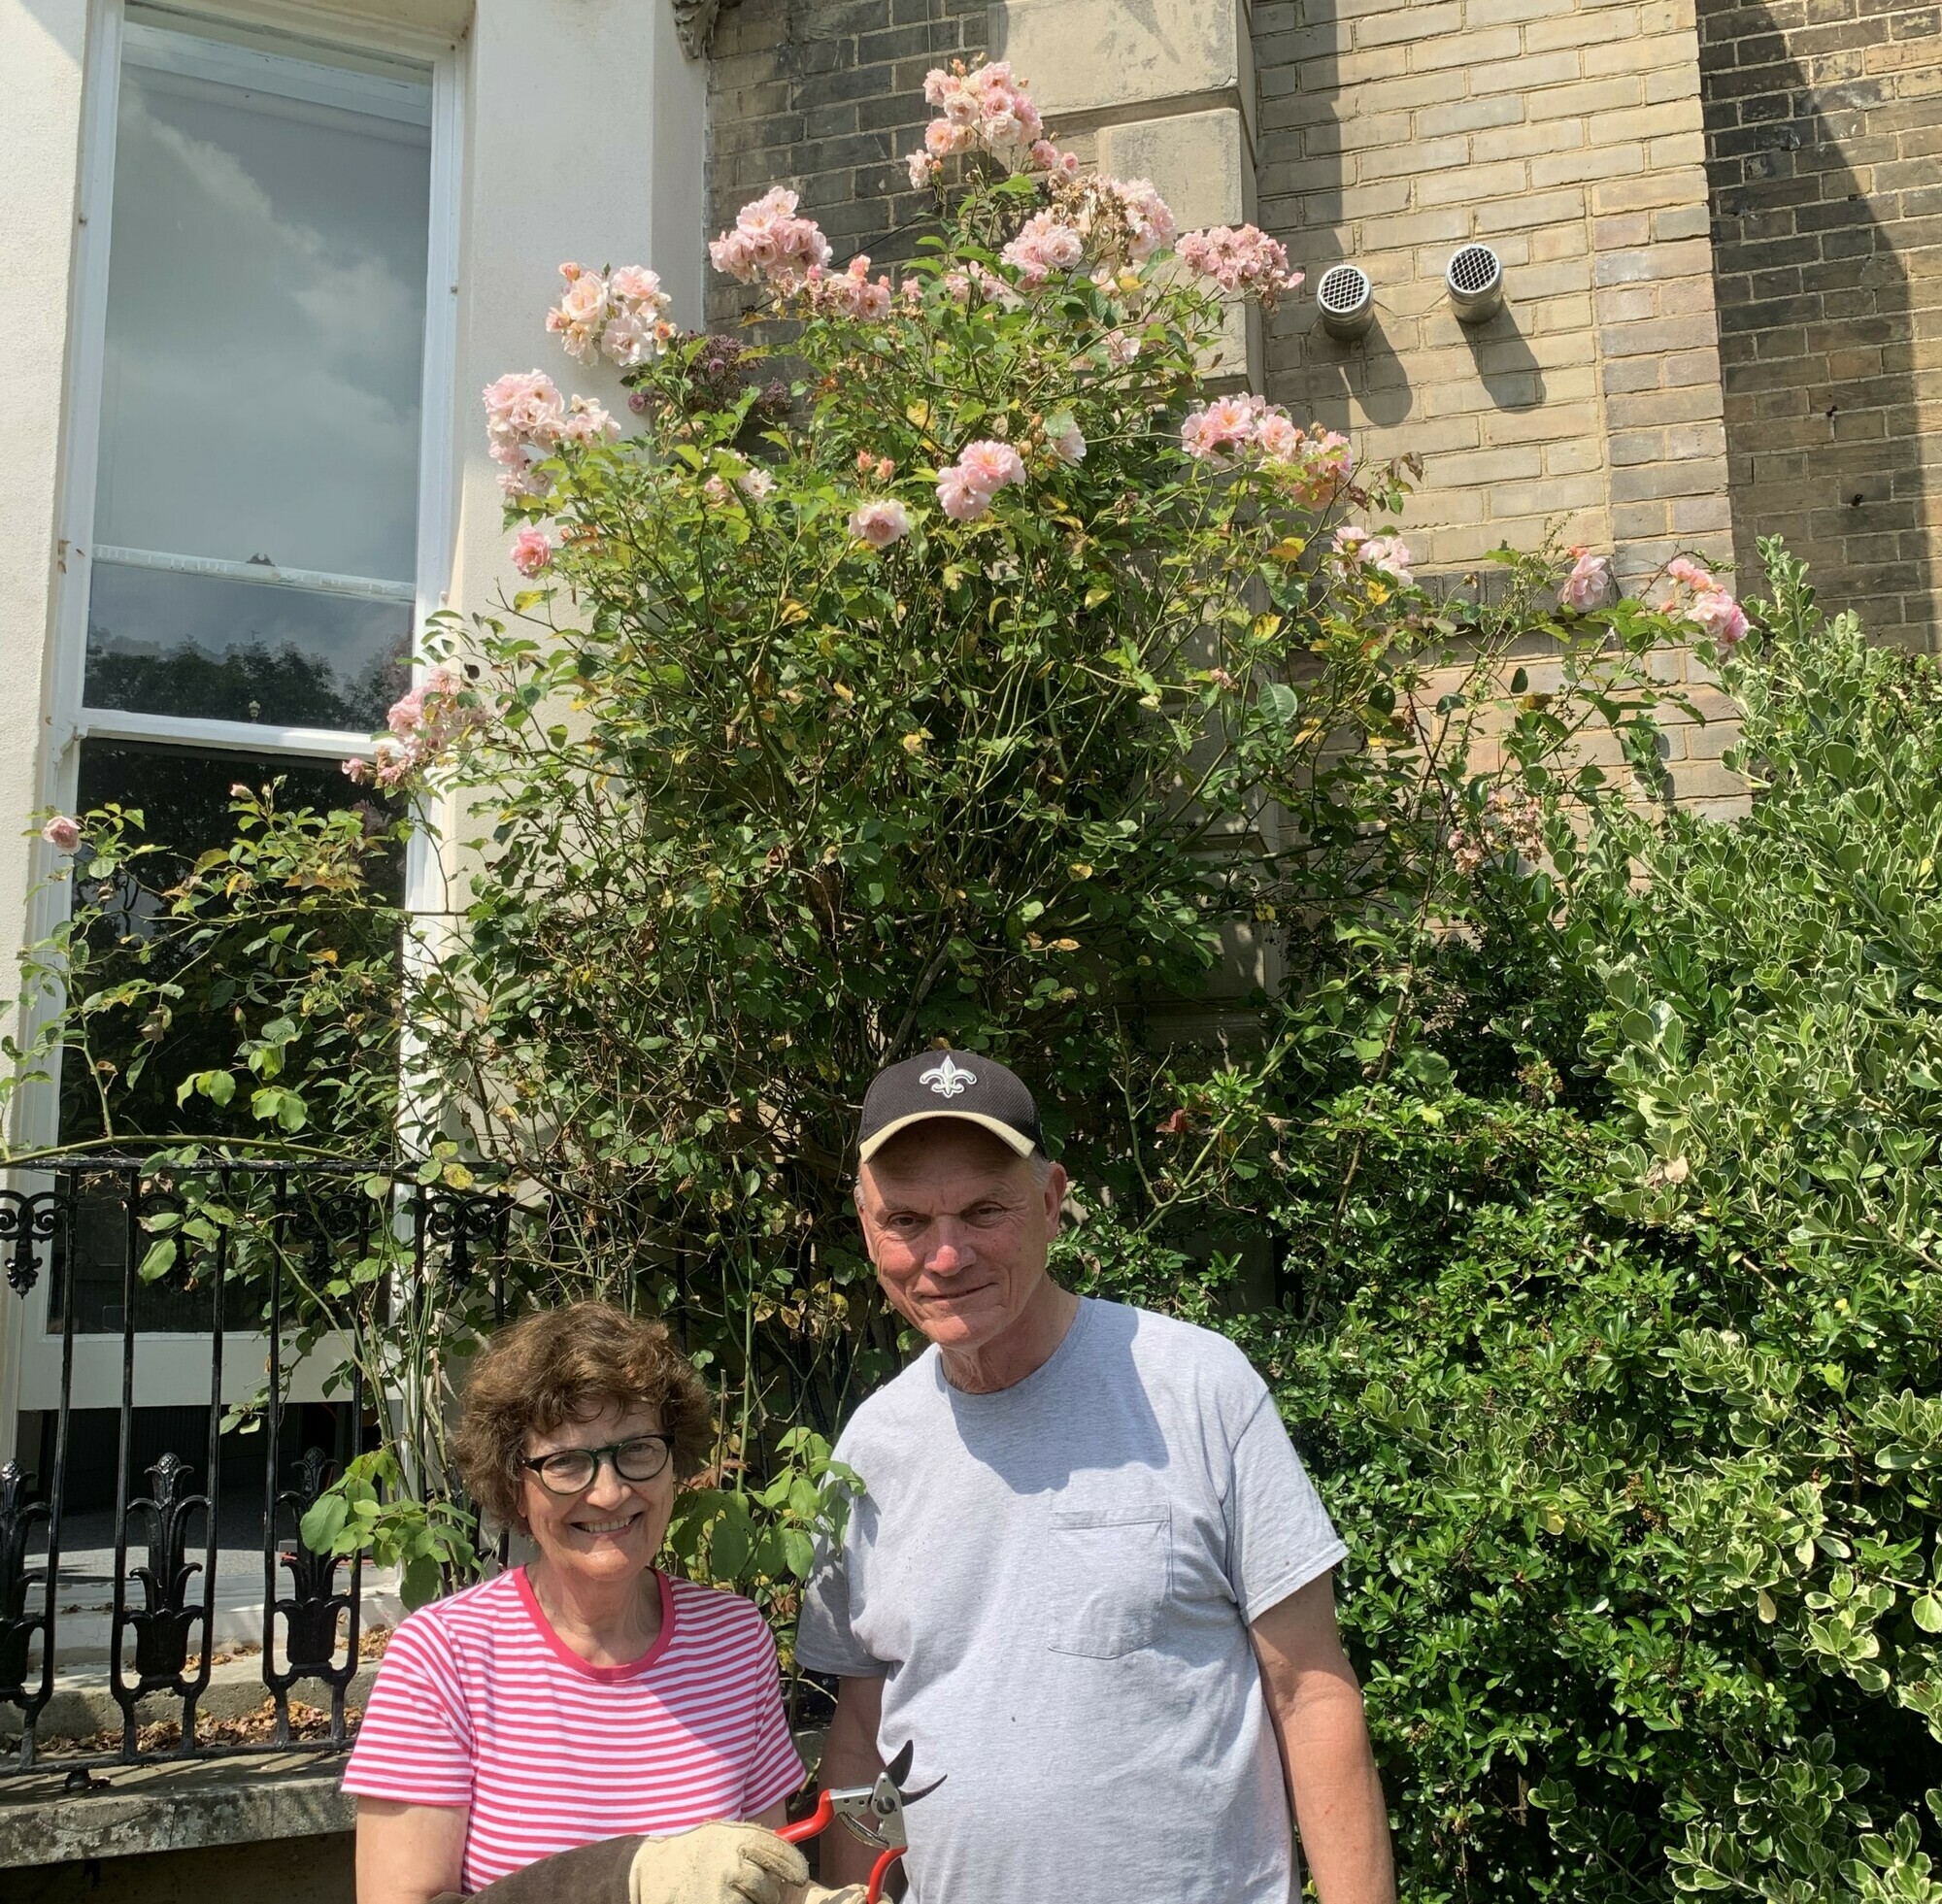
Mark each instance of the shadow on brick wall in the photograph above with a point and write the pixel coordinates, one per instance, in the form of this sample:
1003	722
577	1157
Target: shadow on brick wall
1822	337
827	97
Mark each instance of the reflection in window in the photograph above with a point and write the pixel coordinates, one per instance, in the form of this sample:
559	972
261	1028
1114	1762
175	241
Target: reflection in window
260	391
220	649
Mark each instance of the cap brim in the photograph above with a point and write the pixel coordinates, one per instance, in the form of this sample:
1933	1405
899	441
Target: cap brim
1016	1140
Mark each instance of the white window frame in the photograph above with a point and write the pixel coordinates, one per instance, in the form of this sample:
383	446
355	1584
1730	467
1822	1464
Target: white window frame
73	719
174	1367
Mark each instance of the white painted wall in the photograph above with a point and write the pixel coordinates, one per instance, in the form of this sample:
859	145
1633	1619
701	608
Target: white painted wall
581	137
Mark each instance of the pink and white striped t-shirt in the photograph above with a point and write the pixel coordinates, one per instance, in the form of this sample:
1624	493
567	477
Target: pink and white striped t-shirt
480	1703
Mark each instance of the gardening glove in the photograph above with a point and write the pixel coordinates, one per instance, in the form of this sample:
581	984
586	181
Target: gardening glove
715	1865
712	1864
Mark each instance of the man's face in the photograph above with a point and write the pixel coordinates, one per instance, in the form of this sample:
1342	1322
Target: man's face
957	1226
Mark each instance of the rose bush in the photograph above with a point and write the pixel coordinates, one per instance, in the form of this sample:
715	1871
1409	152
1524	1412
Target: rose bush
959	667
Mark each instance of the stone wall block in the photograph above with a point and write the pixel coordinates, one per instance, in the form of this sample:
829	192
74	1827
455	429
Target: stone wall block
1102	58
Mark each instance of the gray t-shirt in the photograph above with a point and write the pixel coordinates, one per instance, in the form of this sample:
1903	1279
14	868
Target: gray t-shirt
1055	1584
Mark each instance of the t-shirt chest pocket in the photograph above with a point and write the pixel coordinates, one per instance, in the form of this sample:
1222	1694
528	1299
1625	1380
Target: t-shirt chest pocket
1108	1574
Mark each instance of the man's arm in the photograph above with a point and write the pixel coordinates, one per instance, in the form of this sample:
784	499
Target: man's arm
850	1757
1332	1780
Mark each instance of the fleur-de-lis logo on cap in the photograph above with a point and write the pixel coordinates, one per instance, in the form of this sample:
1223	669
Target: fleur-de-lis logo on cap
947	1080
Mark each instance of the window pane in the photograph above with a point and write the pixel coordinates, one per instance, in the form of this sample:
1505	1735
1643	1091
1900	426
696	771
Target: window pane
237	651
264	351
183	798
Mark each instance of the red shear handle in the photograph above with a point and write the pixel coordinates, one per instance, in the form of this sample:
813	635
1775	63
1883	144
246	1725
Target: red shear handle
816	1821
879	1871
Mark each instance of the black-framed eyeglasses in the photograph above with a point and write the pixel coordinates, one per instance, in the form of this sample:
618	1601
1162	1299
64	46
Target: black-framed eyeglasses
574	1470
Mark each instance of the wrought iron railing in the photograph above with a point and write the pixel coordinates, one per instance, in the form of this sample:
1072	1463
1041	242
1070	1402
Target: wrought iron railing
254	1241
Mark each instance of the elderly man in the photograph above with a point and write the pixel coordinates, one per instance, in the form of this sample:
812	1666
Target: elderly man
1088	1578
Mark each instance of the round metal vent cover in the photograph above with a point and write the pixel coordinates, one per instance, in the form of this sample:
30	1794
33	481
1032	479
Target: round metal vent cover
1475	278
1347	301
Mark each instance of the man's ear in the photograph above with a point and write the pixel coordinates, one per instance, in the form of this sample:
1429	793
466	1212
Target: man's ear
1054	1197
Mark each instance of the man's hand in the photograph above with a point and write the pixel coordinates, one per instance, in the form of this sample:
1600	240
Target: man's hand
1324	1747
850	1758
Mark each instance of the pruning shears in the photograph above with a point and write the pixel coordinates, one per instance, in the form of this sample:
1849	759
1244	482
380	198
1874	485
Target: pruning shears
873	1813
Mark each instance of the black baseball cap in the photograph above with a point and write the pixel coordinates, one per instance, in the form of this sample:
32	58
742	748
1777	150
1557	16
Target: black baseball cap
961	1084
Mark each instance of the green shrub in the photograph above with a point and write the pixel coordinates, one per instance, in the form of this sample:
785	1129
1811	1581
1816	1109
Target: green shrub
1619	1354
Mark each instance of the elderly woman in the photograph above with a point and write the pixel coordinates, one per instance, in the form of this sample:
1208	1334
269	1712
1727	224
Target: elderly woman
585	1699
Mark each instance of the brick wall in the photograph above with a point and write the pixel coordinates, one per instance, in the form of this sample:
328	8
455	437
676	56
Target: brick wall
827	97
1824	136
1568	137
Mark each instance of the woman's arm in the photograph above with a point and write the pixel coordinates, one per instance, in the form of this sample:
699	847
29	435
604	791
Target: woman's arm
409	1854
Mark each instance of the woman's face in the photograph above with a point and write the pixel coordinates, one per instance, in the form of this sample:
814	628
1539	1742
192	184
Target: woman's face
613	1529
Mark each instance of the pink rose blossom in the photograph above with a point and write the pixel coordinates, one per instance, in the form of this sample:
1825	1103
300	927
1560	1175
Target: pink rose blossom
1588	583
1320	471
532	551
1121	348
1240	258
771	244
922	170
1717	615
524	481
520	409
716	491
980	105
991	464
634	283
1043	245
62	833
756	483
849	293
1219	431
1147	217
1357	547
1069	445
880	524
585	423
1278	436
940	139
1690	574
960	496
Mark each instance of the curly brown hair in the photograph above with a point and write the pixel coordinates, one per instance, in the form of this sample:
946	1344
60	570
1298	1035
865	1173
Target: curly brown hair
564	1365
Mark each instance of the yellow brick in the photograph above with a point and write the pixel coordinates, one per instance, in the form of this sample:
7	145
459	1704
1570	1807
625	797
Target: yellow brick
1499	44
1397	25
1428	156
1527	141
1585	96
1448	223
1676	150
1468	115
1554	314
1551	208
1668	185
1521	75
1581	167
1502	464
1627	304
1473	184
1680	80
1678	118
1550	422
1582	29
1574	457
1562	240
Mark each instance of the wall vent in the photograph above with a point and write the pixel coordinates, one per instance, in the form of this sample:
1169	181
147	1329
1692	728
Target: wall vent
1475	278
1347	301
